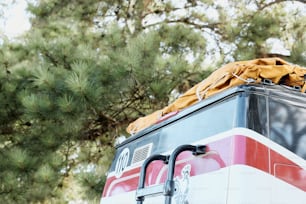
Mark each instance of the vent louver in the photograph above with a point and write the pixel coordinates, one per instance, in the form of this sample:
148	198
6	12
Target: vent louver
141	153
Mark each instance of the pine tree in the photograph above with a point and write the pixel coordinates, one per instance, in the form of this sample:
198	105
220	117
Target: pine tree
86	69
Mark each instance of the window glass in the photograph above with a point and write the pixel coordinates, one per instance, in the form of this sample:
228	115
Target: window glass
257	114
205	122
288	125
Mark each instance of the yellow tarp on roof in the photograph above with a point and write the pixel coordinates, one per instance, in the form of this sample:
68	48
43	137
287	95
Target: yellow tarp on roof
232	74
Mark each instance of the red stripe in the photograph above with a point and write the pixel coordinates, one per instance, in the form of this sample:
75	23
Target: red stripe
223	153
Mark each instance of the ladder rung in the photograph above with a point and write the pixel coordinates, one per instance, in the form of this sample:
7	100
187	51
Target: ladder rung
150	190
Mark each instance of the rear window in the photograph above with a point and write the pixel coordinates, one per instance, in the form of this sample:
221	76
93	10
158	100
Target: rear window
206	122
288	125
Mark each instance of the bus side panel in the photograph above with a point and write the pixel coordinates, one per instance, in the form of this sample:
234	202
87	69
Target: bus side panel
198	179
205	175
238	167
290	173
262	175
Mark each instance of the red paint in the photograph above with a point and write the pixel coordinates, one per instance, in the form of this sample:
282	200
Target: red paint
287	170
167	116
223	153
123	184
250	152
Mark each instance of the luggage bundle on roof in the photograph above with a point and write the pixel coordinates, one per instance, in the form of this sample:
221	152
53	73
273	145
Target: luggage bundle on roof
274	70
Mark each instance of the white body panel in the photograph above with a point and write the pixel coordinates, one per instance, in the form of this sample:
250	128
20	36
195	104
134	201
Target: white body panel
245	185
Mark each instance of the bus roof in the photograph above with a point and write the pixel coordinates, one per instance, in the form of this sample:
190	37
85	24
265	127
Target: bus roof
272	70
279	91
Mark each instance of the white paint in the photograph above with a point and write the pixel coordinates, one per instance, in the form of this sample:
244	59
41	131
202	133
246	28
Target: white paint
251	186
122	162
247	133
237	184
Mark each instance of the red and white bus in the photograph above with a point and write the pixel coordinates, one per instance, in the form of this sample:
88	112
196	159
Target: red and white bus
246	145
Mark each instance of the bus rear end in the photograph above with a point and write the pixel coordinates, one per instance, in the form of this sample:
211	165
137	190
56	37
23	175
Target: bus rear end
244	145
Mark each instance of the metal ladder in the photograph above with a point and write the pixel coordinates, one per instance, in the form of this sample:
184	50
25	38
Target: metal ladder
167	189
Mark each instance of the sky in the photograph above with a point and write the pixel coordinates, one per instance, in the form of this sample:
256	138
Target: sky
15	19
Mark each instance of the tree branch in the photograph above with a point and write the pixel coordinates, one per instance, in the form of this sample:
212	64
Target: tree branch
277	2
186	21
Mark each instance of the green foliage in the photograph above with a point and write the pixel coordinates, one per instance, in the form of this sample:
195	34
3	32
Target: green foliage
86	69
93	184
252	38
299	52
